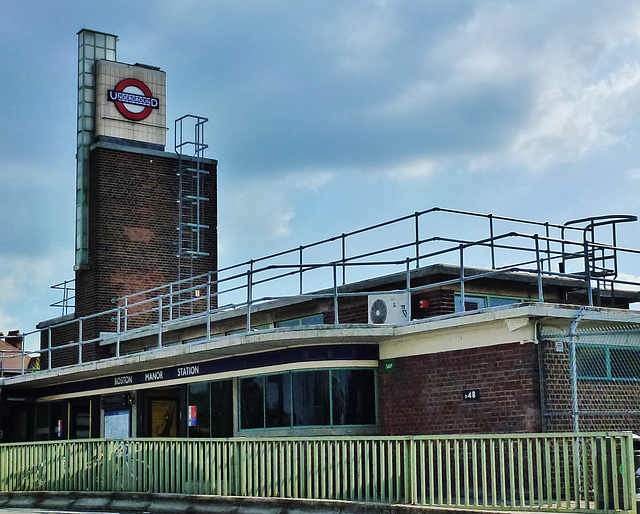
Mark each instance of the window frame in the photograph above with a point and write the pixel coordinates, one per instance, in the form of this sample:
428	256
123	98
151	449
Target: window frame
608	376
291	426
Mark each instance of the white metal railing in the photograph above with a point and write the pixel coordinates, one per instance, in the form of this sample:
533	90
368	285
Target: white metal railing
547	252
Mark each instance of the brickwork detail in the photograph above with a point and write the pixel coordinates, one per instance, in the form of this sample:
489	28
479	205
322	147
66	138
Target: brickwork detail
132	233
425	393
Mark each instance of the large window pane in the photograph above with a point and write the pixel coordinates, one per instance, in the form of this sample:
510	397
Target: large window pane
310	398
222	408
278	400
198	421
252	402
354	399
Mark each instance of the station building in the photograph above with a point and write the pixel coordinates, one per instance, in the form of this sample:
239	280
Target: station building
439	322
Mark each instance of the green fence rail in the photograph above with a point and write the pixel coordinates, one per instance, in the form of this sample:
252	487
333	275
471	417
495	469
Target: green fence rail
591	472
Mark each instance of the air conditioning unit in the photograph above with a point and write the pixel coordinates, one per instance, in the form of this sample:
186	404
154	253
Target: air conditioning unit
387	308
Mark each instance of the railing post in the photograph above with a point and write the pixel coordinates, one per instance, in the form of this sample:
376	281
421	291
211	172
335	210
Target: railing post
546	227
249	297
49	346
335	294
344	259
126	313
300	266
171	301
160	322
80	341
629	475
408	261
462	277
208	306
587	272
411	472
539	269
118	332
417	242
493	249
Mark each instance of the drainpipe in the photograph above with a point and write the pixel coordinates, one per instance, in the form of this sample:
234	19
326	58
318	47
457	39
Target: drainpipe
573	367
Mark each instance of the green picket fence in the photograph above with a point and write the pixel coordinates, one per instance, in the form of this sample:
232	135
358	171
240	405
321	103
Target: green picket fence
559	472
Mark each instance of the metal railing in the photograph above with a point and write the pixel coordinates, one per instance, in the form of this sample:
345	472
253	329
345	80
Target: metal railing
589	472
547	252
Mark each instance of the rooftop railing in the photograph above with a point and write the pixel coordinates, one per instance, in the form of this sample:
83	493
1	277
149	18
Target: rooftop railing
584	252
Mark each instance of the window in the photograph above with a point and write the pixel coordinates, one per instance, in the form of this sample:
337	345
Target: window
316	319
609	363
354	401
334	397
474	302
311	398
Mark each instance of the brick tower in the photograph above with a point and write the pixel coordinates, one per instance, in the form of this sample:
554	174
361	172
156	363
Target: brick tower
128	209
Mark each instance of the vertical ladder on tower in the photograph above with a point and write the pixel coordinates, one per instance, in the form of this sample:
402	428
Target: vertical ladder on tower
191	200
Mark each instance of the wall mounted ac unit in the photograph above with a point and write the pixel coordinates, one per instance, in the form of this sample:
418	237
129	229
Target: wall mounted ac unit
387	308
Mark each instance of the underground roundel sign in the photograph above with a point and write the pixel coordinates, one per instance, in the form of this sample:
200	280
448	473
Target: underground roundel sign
133	99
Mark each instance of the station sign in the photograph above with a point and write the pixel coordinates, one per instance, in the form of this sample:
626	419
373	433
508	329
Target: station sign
133	99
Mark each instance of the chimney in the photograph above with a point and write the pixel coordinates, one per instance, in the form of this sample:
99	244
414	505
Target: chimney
14	338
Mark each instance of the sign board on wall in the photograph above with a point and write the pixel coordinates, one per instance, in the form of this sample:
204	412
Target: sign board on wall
130	102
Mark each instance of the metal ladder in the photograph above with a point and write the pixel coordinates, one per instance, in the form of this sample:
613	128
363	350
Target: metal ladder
191	199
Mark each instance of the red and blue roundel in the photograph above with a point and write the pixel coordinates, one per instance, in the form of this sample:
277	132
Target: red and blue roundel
133	99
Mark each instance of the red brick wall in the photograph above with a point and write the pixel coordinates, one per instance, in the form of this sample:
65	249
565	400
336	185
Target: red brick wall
133	216
425	393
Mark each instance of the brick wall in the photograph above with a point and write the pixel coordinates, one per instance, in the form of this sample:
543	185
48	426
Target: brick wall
133	216
424	395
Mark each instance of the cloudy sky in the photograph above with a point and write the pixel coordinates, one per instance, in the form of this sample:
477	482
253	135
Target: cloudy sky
331	115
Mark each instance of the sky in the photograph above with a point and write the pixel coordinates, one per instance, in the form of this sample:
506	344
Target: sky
332	115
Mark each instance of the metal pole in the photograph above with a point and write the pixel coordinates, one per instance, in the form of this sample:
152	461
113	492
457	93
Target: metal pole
408	289
587	272
49	345
80	342
118	332
493	250
160	322
539	266
417	227
208	306
344	259
300	261
126	313
462	276
335	294
171	301
249	297
574	369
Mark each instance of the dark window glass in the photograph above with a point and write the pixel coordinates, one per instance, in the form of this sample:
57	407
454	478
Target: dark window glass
310	398
316	319
58	421
222	408
278	400
42	422
252	402
591	362
198	421
81	419
625	363
353	396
